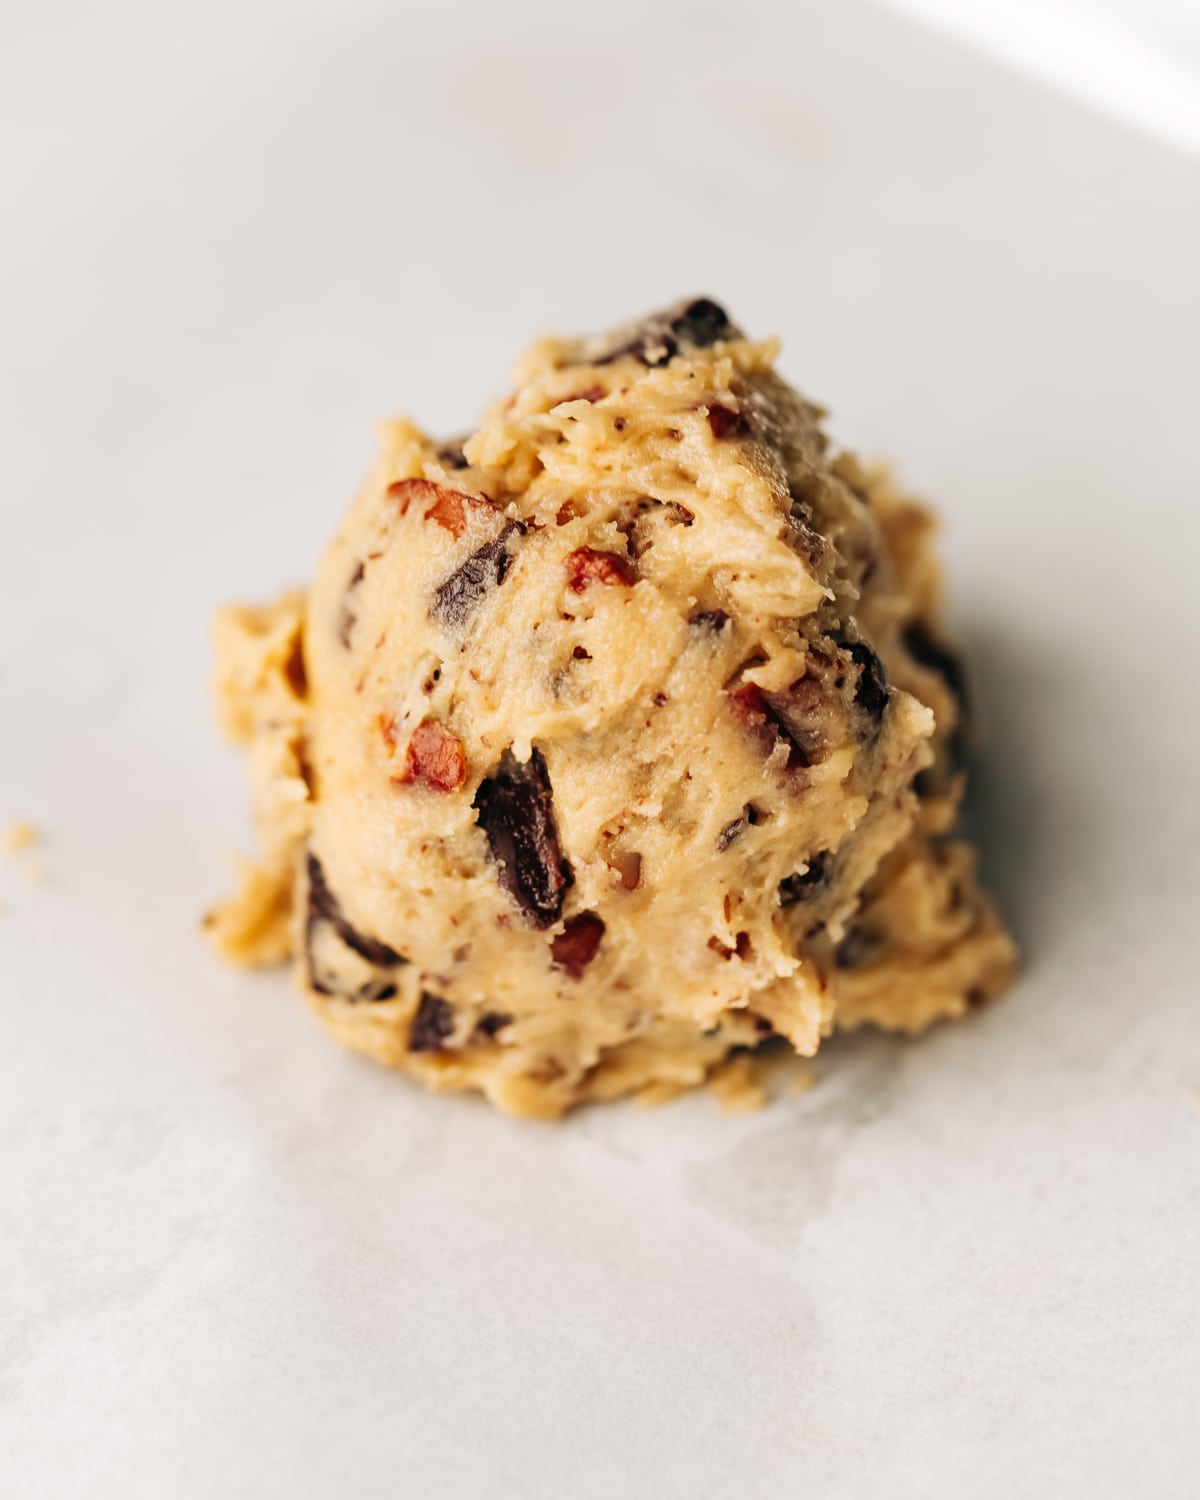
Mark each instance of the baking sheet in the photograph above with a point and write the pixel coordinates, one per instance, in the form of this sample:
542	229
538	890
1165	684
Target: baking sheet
238	1261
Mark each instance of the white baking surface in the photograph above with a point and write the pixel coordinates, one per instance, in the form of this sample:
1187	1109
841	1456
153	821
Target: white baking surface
1138	60
237	1261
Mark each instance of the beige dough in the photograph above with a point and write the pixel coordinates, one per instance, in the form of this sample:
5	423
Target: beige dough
614	738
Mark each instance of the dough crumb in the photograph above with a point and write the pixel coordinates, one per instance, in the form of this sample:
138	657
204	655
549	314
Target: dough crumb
19	837
736	1084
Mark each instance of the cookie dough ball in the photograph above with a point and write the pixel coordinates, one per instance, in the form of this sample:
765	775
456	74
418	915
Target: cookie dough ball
614	737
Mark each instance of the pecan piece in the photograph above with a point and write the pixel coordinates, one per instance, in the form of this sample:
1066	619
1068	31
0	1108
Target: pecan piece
724	422
447	507
586	565
434	758
575	946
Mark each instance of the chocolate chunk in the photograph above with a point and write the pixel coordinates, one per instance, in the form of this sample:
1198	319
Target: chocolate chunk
492	1021
872	691
434	758
856	948
377	990
323	906
575	946
727	423
698	322
432	1024
808	543
457	597
731	833
348	617
794	716
703	322
709	619
516	812
586	565
451	454
805	883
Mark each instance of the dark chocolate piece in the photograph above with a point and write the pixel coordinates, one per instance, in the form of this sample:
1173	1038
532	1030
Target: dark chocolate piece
516	812
323	907
450	453
347	619
730	834
432	1024
575	946
457	597
872	691
376	990
793	715
698	322
709	619
856	948
805	883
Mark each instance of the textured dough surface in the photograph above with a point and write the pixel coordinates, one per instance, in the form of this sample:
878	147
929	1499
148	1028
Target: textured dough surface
612	739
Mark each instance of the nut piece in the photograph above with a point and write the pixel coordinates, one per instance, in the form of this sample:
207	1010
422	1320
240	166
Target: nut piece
447	507
585	565
575	946
434	758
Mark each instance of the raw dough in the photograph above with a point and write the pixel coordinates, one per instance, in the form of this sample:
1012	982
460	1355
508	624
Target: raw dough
618	736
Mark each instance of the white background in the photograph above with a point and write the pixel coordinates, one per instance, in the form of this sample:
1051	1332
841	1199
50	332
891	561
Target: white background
237	1261
1136	59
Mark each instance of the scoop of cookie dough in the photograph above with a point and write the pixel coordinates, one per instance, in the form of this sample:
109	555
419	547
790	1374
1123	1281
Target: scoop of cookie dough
613	737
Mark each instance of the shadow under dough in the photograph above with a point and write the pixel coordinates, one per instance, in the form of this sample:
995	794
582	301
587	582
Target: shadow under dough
1031	805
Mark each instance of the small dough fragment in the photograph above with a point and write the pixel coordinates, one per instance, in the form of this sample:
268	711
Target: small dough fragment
611	740
19	838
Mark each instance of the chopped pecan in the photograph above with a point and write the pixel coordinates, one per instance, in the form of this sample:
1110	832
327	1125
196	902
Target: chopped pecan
725	422
575	946
434	758
585	565
447	507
